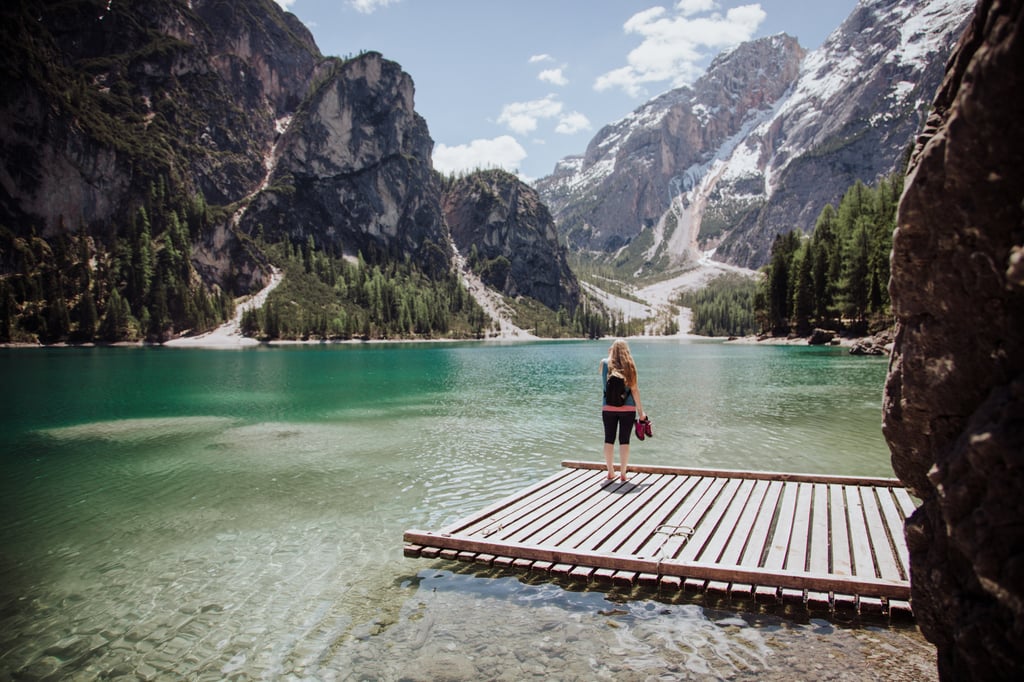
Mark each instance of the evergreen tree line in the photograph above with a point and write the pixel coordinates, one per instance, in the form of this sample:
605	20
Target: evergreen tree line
137	284
326	296
725	307
594	322
838	278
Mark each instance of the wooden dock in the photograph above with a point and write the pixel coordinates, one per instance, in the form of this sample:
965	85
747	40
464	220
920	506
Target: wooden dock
829	542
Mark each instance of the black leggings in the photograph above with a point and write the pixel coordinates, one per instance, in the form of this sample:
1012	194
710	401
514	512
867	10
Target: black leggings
618	421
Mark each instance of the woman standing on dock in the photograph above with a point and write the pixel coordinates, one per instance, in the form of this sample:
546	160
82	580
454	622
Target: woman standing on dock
619	414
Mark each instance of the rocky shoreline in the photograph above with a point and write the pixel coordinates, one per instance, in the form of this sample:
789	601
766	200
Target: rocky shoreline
880	343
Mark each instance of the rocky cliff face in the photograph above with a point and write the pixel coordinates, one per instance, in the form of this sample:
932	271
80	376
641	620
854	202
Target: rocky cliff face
353	171
954	397
101	99
509	238
763	142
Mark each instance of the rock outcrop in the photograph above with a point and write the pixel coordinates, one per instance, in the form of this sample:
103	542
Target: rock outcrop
102	102
954	397
509	238
354	172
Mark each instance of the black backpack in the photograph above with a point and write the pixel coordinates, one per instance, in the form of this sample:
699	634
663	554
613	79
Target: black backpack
615	390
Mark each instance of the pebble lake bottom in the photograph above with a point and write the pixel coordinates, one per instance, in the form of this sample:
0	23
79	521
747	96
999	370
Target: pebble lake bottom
238	514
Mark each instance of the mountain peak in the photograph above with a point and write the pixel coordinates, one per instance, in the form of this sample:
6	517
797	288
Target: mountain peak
620	186
760	143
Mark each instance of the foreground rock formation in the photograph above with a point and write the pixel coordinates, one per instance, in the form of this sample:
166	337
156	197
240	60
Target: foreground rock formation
954	398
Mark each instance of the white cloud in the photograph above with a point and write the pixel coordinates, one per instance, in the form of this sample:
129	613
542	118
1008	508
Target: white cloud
553	76
572	123
688	7
674	44
522	117
367	6
537	58
501	152
285	4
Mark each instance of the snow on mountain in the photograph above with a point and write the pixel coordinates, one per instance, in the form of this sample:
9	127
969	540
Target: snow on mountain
761	142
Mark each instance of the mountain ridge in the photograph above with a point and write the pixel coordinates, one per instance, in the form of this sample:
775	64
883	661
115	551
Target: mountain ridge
848	112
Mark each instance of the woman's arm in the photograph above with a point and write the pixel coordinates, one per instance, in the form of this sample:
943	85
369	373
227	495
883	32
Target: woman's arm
640	414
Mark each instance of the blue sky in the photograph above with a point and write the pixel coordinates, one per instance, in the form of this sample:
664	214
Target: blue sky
521	85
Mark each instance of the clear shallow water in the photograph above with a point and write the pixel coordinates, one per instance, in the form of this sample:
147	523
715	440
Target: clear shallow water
182	513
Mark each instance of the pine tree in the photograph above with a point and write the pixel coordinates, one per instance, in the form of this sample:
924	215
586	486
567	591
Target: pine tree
803	288
856	272
822	250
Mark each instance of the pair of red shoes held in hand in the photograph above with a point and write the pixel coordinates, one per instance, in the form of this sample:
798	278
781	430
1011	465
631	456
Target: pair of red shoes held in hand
643	428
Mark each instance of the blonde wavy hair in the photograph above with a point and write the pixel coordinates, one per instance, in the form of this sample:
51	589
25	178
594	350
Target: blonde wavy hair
619	358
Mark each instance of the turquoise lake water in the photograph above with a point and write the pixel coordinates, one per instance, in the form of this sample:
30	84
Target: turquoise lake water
238	514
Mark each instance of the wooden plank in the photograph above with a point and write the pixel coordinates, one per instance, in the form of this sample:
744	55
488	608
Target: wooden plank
881	545
816	600
516	523
737	473
907	505
717	587
740	541
754	552
624	578
514	506
840	538
705	526
561	570
818	559
895	520
870	606
797	557
630	537
666	544
899	608
766	593
728	525
779	547
692	584
581	573
860	546
559	511
793	596
672	582
695	569
756	540
844	602
621	511
649	580
501	507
